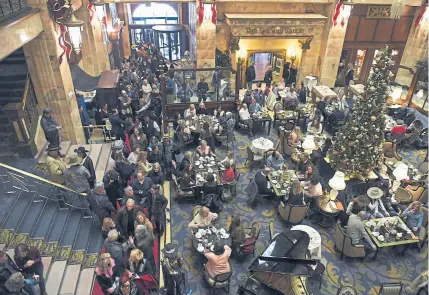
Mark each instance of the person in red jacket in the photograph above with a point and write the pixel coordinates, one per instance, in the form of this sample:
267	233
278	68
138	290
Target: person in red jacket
398	129
228	176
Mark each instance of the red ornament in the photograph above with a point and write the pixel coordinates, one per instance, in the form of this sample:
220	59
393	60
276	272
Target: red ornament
201	12
91	10
337	13
419	18
214	12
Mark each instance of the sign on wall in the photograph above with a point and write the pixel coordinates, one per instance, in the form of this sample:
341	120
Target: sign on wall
272	31
378	12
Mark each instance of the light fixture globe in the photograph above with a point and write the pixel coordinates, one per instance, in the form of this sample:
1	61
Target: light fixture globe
74	26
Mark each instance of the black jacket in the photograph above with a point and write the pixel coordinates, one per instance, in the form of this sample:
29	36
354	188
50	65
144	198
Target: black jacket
116	251
107	282
210	188
49	126
149	128
9	268
349	76
155	158
143	267
158	204
302	167
268	77
286	74
295	199
293	74
202	111
157	177
88	164
262	181
117	123
100	205
250	74
142	190
121	219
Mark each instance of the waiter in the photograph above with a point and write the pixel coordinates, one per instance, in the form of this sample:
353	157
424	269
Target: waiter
51	129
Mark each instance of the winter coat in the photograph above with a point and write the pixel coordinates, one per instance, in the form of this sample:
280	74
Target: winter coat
100	205
49	126
56	168
116	251
121	219
77	178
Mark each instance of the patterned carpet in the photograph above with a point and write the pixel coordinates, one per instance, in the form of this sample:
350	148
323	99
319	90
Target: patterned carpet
365	276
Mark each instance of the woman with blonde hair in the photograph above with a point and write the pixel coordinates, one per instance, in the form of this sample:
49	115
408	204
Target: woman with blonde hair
138	264
268	77
107	274
413	217
108	225
204	150
141	219
296	196
142	162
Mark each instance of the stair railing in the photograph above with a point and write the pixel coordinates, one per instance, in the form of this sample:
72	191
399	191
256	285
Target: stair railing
15	180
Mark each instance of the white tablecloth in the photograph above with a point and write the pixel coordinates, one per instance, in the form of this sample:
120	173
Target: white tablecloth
261	145
315	246
357	89
323	91
310	82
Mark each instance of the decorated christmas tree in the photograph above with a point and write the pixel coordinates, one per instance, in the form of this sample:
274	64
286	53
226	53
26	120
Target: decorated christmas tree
358	144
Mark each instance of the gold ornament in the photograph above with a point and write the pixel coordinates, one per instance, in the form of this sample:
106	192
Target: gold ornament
373	118
372	88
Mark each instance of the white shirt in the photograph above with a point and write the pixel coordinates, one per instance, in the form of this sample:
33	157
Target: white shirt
244	114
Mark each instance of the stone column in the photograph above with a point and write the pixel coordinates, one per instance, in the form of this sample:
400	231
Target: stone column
415	50
125	34
206	42
95	59
53	82
331	51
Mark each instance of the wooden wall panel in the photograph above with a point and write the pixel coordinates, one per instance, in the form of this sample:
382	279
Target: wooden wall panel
384	30
401	29
366	29
352	27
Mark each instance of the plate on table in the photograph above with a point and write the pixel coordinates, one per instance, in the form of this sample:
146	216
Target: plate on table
274	181
390	163
198	235
225	236
212	248
197	163
380	238
201	166
375	233
278	186
283	191
213	162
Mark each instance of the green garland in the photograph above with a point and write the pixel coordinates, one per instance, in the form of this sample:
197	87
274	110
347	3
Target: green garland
358	146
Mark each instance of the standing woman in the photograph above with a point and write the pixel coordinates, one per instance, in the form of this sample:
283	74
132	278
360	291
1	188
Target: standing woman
137	138
268	77
87	163
30	261
286	74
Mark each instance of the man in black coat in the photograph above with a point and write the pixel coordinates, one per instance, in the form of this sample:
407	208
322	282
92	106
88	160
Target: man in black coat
141	187
117	125
99	202
261	180
51	129
87	163
126	217
157	206
150	127
250	75
348	77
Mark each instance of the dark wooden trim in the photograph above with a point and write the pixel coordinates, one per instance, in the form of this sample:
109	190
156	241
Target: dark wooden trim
375	45
14	19
201	69
357	30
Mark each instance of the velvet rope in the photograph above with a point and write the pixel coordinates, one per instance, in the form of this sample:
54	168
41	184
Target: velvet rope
337	13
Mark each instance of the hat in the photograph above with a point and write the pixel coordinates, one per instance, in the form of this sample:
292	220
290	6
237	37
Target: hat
374	193
47	111
362	200
170	250
400	122
52	148
74	160
81	149
98	185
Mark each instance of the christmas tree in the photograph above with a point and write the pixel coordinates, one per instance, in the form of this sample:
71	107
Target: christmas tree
358	144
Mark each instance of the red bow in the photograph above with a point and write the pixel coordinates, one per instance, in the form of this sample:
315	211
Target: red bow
91	10
337	13
419	18
64	44
214	12
201	12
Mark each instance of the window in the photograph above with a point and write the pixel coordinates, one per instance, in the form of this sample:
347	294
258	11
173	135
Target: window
155	14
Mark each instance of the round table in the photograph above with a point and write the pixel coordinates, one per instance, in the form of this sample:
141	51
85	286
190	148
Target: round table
214	238
261	145
315	245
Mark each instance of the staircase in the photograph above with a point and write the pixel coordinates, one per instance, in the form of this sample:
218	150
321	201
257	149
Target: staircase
33	212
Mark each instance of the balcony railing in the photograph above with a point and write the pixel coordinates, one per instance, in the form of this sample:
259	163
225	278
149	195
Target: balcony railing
12	8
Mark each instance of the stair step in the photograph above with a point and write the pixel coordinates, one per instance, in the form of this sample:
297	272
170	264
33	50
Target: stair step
100	169
55	277
70	280
5	99
45	222
47	260
18	211
86	279
95	242
71	228
83	234
64	149
7	202
58	225
95	154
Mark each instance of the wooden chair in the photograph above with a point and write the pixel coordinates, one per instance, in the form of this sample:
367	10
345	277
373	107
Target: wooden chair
418	192
220	281
249	246
391	289
390	151
293	214
252	157
267	154
403	196
344	244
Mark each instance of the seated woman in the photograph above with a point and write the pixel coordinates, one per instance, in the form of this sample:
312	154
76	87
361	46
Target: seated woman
254	107
228	175
238	235
202	109
156	174
314	189
275	161
141	219
218	261
203	219
210	186
414	217
155	156
375	208
142	162
132	157
204	150
186	180
309	174
315	127
107	274
139	265
296	196
190	112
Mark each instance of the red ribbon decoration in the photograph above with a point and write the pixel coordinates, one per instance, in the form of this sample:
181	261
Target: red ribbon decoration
91	10
419	18
104	21
214	12
201	12
64	44
337	13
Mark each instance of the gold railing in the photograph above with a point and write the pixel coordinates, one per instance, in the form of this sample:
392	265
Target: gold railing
15	180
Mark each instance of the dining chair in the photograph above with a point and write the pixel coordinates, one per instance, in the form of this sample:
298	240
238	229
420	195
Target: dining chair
391	289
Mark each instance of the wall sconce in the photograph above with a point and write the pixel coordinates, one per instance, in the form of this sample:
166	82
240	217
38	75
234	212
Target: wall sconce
420	93
240	60
74	26
113	33
292	54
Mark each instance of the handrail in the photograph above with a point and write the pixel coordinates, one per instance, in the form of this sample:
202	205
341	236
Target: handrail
25	95
39	178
